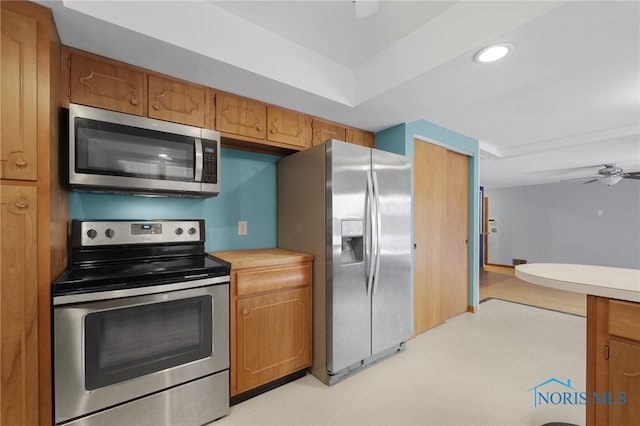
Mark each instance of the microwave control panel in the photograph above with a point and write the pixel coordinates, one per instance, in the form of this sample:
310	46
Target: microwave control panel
209	162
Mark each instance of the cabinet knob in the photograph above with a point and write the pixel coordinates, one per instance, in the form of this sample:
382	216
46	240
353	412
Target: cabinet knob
21	162
246	311
134	101
22	203
156	107
272	130
259	128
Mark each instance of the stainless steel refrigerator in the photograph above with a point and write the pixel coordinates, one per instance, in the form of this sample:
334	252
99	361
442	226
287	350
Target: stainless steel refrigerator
350	206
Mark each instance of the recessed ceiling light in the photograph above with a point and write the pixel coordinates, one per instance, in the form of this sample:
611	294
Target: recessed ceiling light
493	52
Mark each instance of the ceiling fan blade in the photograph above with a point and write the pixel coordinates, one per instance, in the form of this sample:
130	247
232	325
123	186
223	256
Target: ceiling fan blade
631	175
574	179
590	181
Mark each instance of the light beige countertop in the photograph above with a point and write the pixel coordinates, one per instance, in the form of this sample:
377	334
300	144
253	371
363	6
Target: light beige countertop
605	281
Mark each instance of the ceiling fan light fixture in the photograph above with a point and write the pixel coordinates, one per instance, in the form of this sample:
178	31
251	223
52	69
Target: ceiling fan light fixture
493	52
611	180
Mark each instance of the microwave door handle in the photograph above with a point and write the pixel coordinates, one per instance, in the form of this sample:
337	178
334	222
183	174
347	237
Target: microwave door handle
198	170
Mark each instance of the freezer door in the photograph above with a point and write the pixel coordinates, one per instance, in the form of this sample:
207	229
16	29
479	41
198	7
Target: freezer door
391	299
348	305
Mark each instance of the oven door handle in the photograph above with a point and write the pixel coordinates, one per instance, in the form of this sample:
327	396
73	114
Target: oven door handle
138	291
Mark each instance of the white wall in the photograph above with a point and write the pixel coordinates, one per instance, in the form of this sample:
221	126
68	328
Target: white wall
561	223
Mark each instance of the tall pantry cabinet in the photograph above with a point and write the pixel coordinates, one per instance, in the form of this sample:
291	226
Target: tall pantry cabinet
33	209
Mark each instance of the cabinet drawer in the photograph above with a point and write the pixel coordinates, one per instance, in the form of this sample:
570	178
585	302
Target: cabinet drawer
258	281
624	319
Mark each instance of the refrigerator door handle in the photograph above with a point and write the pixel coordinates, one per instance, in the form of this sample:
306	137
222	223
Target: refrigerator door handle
373	236
378	221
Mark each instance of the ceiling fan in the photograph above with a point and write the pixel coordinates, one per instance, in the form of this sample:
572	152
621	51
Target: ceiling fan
612	174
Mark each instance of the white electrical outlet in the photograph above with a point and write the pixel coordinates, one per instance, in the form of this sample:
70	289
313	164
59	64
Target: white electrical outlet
242	227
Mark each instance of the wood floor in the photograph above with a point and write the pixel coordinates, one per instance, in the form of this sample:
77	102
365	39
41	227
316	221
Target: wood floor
500	283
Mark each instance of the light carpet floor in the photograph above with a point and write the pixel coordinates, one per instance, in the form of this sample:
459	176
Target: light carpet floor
476	369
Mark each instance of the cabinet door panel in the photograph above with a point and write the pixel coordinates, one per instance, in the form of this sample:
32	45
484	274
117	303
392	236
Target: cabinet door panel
273	336
288	127
323	131
359	137
176	101
106	85
624	376
623	319
19	306
240	116
18	101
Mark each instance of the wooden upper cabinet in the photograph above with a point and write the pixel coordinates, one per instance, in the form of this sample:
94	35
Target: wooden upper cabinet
323	130
19	76
360	137
247	123
288	127
176	101
210	115
240	116
106	84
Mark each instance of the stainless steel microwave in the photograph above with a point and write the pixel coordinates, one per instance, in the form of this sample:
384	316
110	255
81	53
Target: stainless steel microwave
122	153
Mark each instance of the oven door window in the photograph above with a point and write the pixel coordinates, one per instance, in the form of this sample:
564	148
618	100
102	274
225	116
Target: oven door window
116	150
126	343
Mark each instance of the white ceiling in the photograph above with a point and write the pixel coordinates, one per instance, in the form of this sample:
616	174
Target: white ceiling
565	102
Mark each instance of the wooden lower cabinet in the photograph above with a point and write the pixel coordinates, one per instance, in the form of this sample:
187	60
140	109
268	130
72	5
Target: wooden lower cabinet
271	314
613	362
19	306
272	336
624	379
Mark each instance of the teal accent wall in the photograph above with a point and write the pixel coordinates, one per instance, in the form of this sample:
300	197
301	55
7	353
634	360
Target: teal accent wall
392	139
399	139
248	192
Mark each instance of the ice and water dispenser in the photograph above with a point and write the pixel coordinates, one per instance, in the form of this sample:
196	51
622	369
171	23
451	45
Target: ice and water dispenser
352	241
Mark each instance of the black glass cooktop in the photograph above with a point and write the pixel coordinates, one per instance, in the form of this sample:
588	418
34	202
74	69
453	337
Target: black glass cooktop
91	276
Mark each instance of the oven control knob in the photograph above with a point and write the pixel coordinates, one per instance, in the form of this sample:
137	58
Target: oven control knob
179	231
192	231
109	233
92	233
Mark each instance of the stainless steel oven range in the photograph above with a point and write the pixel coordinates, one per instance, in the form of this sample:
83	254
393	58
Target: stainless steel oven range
141	326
